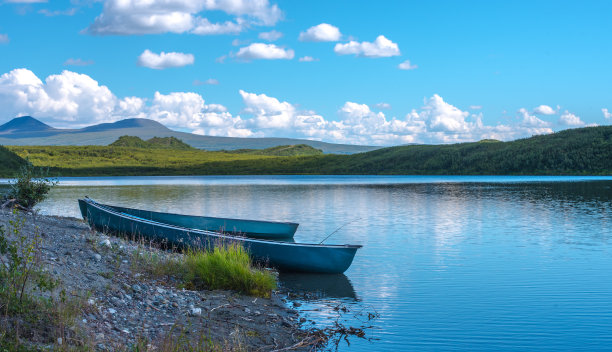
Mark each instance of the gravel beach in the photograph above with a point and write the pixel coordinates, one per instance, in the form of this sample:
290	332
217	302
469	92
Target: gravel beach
122	305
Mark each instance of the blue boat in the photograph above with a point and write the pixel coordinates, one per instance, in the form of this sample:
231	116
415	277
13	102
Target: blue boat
274	230
284	256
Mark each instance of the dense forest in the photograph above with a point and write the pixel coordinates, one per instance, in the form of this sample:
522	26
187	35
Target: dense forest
582	151
153	143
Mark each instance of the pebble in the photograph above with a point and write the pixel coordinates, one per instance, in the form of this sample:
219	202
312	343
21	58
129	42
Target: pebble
195	312
97	256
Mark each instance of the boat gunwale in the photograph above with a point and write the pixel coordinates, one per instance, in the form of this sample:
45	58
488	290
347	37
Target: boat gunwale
216	234
205	217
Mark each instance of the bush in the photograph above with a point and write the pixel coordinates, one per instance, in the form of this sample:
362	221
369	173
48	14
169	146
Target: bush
31	186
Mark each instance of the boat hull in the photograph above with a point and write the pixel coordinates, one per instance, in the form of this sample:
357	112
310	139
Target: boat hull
284	256
250	228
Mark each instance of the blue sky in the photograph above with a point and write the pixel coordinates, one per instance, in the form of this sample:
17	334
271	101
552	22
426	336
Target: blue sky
325	70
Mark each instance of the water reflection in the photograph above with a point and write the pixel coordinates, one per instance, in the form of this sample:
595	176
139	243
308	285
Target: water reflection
449	263
319	286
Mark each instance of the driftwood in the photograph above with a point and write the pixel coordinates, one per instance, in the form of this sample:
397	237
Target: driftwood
13	203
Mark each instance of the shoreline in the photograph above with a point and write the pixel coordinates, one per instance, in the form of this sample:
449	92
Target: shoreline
121	306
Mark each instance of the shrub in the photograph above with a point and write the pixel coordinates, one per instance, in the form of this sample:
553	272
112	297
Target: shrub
31	185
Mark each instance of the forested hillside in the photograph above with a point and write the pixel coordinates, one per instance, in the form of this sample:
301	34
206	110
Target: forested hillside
583	151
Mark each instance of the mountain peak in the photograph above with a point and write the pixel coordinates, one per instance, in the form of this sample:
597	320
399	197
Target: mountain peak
126	123
24	124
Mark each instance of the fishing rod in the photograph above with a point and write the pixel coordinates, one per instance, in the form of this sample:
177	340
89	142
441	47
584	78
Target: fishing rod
338	229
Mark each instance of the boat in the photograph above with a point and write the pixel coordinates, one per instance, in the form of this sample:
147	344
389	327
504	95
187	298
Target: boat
275	230
284	256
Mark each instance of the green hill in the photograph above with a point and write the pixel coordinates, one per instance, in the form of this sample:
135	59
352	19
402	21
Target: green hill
582	151
9	162
281	150
155	142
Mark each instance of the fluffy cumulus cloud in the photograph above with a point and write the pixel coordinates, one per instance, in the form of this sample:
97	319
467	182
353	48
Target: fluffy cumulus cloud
264	51
164	60
606	113
71	99
544	110
406	65
68	98
569	119
381	47
323	32
127	17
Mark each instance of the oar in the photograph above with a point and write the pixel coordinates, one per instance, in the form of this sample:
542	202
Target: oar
338	229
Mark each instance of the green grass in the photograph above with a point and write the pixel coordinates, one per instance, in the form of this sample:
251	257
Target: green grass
581	151
226	267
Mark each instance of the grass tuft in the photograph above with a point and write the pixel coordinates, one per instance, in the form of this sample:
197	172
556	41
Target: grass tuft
227	266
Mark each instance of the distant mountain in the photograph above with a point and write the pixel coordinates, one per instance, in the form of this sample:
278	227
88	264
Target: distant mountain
127	123
23	125
17	132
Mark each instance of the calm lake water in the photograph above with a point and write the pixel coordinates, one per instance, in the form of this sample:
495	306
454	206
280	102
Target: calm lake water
449	263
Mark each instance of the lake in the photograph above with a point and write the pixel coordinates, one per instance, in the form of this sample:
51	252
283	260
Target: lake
449	263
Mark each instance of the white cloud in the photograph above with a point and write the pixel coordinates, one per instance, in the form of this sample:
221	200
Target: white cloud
204	27
78	62
210	81
70	99
4	38
406	65
264	51
606	113
569	119
475	107
381	47
383	106
441	116
164	60
270	36
308	59
323	32
530	120
128	17
544	110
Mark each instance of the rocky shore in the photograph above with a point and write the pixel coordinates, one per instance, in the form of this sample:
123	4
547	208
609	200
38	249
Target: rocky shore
122	306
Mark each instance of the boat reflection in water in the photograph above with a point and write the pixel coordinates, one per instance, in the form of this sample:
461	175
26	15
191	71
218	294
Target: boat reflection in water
318	286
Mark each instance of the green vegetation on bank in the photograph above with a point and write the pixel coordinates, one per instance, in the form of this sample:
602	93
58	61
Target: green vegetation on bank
153	143
281	150
582	151
30	307
9	162
226	267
